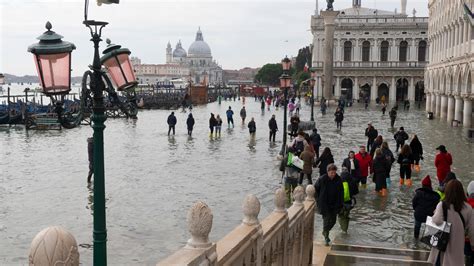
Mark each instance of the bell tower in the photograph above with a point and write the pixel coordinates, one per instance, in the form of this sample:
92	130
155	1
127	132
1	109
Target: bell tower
168	53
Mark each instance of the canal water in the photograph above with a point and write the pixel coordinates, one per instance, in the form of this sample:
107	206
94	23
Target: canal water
152	179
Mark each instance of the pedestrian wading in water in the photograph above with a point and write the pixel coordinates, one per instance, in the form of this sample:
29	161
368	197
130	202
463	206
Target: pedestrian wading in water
190	124
405	159
330	199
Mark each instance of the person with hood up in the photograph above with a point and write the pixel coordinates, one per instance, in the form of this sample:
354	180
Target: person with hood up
387	153
377	144
273	126
330	198
379	171
456	211
424	203
349	185
252	127
212	124
365	163
298	143
325	160
190	123
307	156
417	152
393	116
443	162
171	123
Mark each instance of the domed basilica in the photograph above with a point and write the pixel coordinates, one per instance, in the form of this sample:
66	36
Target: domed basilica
198	59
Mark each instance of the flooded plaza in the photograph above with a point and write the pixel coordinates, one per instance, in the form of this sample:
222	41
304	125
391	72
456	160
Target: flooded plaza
152	179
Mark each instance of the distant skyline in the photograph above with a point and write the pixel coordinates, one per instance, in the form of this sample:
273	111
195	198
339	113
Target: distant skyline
241	33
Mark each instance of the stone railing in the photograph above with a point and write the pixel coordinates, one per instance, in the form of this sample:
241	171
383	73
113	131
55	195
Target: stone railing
374	64
285	237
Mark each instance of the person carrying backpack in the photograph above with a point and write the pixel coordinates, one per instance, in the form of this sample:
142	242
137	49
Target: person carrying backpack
350	190
316	141
298	144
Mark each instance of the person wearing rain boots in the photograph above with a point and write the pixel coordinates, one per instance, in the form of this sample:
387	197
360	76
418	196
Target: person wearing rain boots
380	168
349	183
417	152
405	159
424	203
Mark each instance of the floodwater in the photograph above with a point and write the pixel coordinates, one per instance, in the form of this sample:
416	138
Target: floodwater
152	180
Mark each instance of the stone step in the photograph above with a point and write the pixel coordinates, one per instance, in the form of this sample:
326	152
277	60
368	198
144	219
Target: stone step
364	255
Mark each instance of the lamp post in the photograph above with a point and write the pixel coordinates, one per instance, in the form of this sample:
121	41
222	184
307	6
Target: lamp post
53	61
285	83
311	83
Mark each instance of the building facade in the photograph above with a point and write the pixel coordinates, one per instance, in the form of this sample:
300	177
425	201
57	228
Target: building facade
196	64
377	54
450	72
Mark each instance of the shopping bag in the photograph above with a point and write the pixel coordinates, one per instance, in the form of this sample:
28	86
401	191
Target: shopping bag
436	236
296	161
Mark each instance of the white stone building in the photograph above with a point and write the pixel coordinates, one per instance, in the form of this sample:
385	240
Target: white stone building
450	73
376	53
196	64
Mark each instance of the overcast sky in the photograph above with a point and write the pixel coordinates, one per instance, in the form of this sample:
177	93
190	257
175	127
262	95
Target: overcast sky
240	32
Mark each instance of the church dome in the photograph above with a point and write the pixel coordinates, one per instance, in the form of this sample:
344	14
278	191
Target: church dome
199	48
179	51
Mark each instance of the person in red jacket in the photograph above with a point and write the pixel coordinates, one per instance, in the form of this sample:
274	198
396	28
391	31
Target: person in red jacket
443	162
365	163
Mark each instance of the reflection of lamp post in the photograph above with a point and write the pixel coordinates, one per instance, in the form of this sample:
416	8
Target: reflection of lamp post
54	69
311	83
285	83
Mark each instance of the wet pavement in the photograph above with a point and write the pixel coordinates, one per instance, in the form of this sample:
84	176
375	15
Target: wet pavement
153	179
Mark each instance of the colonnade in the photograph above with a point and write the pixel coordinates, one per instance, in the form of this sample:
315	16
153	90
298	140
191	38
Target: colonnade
451	107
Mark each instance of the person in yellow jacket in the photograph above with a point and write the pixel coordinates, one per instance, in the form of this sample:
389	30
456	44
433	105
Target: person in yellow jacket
350	190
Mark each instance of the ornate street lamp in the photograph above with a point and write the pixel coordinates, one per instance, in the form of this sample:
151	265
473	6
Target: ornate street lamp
311	83
117	62
285	84
53	64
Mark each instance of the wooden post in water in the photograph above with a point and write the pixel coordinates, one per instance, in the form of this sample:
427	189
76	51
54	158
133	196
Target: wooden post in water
8	99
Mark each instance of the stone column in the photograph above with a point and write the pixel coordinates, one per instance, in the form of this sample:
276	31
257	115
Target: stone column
433	103
458	107
428	102
467	113
393	91
329	17
411	89
450	115
373	89
337	89
438	105
466	34
356	89
444	106
320	87
356	53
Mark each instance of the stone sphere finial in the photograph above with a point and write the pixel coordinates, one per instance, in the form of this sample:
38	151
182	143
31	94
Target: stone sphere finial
54	246
298	195
251	209
310	192
199	225
280	200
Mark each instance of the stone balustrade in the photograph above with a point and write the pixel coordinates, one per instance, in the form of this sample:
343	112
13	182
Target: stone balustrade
285	237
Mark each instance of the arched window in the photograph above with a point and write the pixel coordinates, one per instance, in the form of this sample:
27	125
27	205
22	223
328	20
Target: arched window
422	51
384	51
366	51
347	51
403	51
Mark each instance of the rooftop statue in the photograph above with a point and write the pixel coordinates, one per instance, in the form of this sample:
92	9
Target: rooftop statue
330	7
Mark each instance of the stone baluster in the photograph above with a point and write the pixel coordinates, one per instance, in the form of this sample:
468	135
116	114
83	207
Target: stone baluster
54	246
308	235
199	250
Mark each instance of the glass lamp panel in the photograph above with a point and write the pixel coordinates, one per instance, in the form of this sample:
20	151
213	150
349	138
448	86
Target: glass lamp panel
54	71
115	66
